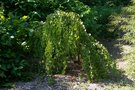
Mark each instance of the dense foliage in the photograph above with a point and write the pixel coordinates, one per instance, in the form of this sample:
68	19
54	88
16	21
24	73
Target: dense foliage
13	37
16	36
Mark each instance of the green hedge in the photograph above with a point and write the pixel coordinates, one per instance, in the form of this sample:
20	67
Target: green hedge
15	34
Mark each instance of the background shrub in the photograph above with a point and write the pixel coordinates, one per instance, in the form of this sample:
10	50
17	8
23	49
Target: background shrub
36	9
14	47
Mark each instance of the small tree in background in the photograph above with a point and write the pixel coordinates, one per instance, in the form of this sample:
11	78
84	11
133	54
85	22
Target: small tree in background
64	35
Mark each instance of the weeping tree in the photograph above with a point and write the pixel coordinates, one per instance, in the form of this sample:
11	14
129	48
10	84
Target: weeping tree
64	35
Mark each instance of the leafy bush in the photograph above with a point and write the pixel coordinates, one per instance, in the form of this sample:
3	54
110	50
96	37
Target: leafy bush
14	35
36	9
64	35
102	14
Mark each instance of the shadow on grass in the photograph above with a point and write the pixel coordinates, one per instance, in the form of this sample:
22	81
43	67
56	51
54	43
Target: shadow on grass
118	79
114	47
117	76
